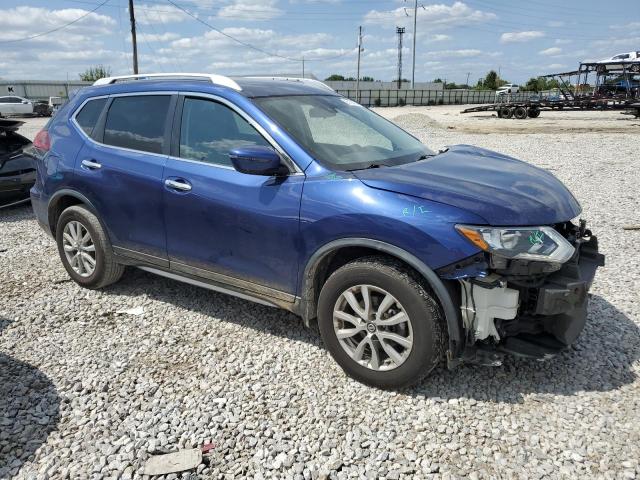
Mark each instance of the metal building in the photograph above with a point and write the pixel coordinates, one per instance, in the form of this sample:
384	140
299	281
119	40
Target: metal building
40	89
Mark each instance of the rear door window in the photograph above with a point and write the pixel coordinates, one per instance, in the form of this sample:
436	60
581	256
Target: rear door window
137	122
88	116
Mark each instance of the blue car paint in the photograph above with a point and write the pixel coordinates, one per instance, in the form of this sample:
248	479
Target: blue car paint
127	193
239	225
498	188
266	230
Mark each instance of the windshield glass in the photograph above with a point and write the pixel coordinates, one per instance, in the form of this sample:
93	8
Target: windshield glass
341	133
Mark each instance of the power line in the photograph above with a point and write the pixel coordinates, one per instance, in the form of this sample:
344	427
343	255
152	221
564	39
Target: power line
253	47
42	34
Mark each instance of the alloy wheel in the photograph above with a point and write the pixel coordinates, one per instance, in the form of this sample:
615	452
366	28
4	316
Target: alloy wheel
79	248
373	327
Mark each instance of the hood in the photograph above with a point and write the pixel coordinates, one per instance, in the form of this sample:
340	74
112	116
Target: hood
500	189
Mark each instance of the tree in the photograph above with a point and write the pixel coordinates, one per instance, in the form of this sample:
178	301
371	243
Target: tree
540	84
334	78
367	79
92	74
490	82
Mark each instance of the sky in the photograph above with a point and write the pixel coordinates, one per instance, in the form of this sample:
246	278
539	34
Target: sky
455	40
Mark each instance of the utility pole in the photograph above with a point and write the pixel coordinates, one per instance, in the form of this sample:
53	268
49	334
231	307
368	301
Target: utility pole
132	17
302	67
467	82
415	23
358	71
400	31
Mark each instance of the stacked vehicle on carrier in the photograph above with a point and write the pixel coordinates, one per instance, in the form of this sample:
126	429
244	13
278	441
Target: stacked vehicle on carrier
617	87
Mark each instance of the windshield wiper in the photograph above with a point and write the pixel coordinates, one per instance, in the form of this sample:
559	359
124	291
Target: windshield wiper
373	165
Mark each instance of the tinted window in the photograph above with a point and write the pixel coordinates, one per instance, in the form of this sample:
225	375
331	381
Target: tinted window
4	99
209	130
88	116
137	122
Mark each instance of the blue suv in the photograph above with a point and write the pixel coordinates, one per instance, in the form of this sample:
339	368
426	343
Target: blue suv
282	192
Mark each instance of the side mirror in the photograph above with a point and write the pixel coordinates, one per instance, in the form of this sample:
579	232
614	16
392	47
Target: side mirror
256	160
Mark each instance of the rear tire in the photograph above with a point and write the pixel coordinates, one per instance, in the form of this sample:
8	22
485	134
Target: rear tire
506	112
408	346
533	112
520	113
85	250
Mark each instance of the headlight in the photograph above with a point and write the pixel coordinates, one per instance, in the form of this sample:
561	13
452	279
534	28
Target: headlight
526	243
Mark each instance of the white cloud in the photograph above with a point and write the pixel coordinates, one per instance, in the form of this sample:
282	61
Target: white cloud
434	16
462	53
618	42
628	26
437	38
21	22
518	37
159	14
250	10
550	52
157	37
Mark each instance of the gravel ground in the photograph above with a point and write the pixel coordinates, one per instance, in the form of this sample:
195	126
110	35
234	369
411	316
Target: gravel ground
87	390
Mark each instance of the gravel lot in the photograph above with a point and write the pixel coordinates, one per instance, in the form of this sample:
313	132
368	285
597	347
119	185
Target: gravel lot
89	391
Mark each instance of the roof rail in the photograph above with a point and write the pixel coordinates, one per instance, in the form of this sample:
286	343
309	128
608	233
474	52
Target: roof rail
308	81
215	79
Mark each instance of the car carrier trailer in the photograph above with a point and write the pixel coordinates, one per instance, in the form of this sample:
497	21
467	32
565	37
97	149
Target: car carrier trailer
532	109
623	94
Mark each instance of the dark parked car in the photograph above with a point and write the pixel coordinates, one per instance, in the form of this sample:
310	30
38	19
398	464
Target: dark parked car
17	169
285	193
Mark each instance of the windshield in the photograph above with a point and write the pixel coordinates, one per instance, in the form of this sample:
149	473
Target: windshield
342	134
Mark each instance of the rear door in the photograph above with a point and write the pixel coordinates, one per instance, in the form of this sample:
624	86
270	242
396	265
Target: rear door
120	170
222	224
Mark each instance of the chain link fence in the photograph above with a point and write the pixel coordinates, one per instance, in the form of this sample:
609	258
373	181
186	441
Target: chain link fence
394	98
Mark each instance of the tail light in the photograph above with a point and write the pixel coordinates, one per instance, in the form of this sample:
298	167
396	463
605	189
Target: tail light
42	141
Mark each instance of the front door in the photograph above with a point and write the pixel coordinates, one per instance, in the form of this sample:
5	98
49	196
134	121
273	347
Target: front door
121	172
222	224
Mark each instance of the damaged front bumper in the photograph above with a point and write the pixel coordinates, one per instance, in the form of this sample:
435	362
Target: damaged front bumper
528	309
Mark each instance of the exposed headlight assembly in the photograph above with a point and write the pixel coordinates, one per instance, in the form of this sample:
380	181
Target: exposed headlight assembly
526	243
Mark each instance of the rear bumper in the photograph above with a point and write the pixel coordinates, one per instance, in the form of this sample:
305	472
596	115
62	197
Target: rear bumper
40	209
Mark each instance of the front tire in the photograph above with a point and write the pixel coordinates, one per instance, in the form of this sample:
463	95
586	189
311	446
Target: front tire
85	250
380	323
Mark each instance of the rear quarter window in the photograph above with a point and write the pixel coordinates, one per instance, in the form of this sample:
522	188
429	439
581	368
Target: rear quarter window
88	115
137	122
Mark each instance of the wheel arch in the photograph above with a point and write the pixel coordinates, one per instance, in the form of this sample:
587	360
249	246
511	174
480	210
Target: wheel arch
320	261
63	199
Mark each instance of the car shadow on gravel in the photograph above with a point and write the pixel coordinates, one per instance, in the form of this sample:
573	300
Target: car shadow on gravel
29	411
600	361
16	213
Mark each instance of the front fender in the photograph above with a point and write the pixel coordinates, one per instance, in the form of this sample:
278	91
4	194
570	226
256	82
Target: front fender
339	211
451	313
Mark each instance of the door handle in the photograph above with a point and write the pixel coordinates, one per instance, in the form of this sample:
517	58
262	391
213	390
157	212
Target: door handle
91	164
181	185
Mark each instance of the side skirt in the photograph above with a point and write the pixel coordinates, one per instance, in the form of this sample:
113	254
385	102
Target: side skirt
208	286
209	280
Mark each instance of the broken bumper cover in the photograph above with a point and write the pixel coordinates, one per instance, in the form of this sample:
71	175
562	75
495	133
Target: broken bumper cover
524	310
556	312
